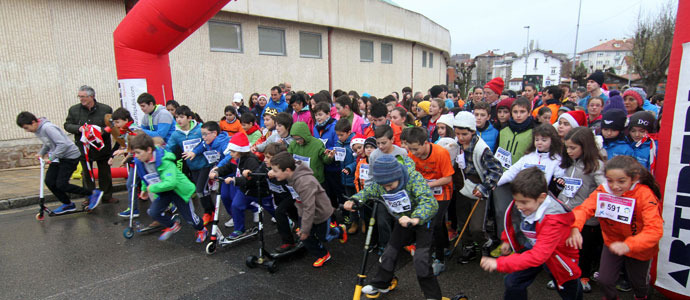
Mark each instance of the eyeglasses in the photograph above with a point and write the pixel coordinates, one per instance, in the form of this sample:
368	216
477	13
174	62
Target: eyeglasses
82	97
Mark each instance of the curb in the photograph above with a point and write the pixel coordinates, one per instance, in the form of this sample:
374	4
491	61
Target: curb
33	199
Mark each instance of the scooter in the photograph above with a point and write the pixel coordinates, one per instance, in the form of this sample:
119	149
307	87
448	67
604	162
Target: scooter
268	259
136	226
217	238
42	200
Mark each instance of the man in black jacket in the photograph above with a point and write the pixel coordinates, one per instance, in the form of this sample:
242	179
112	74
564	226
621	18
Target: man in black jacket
91	112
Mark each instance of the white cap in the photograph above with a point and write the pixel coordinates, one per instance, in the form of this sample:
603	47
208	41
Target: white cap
237	97
465	119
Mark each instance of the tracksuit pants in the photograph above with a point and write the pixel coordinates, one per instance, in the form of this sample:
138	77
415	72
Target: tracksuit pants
57	180
186	209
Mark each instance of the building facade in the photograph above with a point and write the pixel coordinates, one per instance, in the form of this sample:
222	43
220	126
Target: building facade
51	48
609	54
538	62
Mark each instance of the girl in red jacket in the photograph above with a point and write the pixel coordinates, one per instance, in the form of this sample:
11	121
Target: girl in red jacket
627	208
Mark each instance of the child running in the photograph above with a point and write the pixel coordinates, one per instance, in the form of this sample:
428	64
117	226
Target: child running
544	153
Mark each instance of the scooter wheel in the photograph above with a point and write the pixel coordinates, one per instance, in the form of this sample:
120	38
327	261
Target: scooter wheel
272	266
128	233
251	261
40	217
211	247
394	284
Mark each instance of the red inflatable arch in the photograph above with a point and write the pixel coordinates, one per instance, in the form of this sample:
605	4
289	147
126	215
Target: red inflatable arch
150	31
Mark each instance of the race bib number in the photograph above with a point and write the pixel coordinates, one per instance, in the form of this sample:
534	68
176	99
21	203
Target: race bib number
619	209
152	178
212	156
304	160
274	187
437	190
294	193
504	157
189	145
364	172
237	172
339	153
460	160
324	141
540	167
572	185
397	203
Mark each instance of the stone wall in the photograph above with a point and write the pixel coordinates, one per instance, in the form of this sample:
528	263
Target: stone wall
15	156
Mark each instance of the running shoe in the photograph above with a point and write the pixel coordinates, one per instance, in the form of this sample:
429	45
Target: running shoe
125	213
371	290
201	235
95	199
437	266
168	232
343	234
65	208
235	235
586	287
207	218
230	223
319	262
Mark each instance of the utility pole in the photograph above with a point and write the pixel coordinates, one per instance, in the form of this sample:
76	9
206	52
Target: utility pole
577	31
526	49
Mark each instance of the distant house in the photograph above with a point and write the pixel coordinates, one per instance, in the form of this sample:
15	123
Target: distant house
609	54
539	62
515	84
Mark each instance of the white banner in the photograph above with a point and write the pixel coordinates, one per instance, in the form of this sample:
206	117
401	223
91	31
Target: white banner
130	89
673	264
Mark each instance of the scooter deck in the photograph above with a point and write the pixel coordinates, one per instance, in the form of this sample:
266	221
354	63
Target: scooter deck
275	255
50	213
252	232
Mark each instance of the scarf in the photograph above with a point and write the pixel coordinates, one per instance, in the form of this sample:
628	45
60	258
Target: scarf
482	128
253	129
520	127
321	126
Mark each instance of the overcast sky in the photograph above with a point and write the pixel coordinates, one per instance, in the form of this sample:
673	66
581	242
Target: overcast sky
479	25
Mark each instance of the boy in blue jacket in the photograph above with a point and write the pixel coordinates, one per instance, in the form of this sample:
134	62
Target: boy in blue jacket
157	121
486	131
613	123
342	153
213	147
644	146
324	130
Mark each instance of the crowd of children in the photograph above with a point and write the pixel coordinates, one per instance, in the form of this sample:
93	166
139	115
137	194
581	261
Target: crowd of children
539	179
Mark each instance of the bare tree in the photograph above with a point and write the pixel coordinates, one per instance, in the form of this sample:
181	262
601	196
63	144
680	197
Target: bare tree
464	77
652	47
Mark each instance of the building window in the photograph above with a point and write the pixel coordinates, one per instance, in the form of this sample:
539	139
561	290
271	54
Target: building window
423	59
271	41
600	54
535	63
366	51
225	37
309	44
431	59
386	53
553	70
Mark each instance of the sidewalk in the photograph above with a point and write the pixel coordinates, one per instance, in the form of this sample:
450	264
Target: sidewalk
19	187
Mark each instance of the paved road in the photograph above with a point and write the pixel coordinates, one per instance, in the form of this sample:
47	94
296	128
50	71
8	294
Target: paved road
84	256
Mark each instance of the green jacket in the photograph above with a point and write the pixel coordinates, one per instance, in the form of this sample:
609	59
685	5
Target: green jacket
171	178
516	144
424	205
313	149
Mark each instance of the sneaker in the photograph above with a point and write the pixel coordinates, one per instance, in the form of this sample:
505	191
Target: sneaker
125	213
284	248
353	228
273	220
551	285
256	217
319	262
595	276
343	234
334	224
469	254
201	235
168	232
411	249
438	267
371	290
207	218
65	208
623	285
95	199
230	223
172	208
496	252
235	235
586	287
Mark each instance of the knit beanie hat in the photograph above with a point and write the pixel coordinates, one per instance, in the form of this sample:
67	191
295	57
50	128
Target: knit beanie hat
615	119
576	118
505	103
371	141
386	169
446	119
424	105
615	101
358	139
598	77
465	119
496	85
643	119
239	142
637	93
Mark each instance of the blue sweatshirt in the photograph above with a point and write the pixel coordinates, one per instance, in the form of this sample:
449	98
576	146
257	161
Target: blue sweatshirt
489	135
280	107
349	163
616	147
643	153
188	140
214	153
160	123
328	135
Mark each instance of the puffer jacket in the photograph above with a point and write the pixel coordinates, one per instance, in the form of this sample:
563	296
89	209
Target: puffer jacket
313	149
550	167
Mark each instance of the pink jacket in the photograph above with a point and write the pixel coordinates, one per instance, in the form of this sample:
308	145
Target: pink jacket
304	116
357	124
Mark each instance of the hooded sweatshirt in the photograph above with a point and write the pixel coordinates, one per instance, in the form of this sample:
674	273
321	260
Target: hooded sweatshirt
162	175
215	152
55	142
187	140
312	203
550	166
159	123
312	150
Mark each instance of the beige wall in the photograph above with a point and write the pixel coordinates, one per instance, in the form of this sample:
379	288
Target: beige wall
50	48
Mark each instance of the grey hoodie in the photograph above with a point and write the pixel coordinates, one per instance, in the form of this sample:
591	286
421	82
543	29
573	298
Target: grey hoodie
313	204
55	142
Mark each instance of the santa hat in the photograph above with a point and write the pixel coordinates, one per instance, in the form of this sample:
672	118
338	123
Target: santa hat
239	142
576	118
496	85
263	96
358	139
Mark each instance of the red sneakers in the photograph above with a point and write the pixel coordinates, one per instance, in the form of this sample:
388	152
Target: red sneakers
207	218
319	262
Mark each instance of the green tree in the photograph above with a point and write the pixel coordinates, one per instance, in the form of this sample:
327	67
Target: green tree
580	74
652	49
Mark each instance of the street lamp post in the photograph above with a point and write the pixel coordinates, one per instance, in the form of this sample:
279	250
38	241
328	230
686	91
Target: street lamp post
526	49
577	31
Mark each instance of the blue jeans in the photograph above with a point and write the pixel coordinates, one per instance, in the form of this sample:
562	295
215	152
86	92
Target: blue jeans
242	202
516	284
186	209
